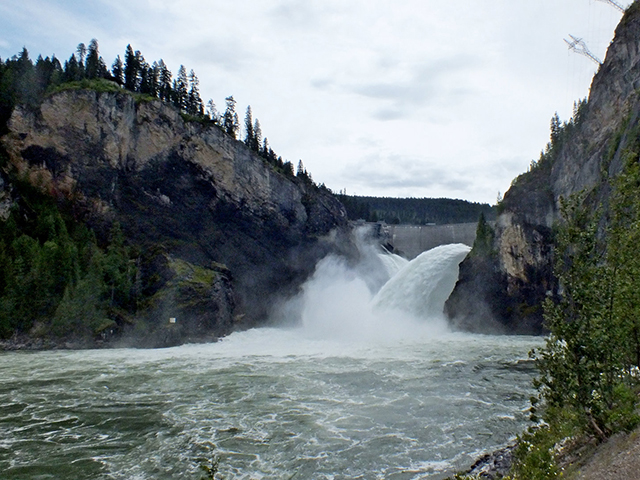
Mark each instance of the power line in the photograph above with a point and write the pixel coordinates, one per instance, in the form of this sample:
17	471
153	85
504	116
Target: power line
577	45
614	4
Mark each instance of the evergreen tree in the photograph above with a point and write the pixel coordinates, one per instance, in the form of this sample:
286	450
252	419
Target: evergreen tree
582	367
287	167
181	89
131	69
248	128
81	50
212	112
230	122
95	66
117	70
24	85
556	129
164	82
194	104
257	136
153	79
483	243
47	72
72	71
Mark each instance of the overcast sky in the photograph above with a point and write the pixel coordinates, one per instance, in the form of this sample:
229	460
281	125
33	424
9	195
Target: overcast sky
403	98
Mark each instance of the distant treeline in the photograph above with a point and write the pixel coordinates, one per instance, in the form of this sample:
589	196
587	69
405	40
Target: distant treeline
416	211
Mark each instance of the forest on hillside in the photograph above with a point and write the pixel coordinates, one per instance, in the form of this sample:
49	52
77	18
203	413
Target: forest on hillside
58	275
415	211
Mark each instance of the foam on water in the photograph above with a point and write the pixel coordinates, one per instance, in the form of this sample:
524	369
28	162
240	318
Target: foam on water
269	403
356	389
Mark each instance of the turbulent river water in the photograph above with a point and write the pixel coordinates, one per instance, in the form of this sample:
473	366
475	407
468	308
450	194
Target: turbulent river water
358	388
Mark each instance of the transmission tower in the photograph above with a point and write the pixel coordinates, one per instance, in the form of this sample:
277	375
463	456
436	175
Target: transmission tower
578	46
614	4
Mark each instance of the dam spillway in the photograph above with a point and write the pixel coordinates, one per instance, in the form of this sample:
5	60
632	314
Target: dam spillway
411	240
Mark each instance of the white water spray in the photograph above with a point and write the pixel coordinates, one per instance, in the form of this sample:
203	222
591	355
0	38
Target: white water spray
392	263
422	287
340	302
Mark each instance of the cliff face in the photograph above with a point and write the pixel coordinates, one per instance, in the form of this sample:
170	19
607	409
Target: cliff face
519	273
181	190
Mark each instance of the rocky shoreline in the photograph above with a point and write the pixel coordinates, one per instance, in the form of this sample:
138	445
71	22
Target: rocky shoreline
494	465
27	343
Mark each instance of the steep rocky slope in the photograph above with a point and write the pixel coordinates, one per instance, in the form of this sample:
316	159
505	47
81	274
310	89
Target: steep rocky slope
503	290
188	197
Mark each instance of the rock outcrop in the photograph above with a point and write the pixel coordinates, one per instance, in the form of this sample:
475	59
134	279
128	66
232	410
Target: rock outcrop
185	193
518	274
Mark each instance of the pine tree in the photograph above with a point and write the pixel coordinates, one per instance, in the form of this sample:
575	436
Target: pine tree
248	127
95	67
117	70
257	136
72	71
131	69
194	106
146	79
212	112
287	167
181	89
230	122
164	82
81	49
24	84
556	129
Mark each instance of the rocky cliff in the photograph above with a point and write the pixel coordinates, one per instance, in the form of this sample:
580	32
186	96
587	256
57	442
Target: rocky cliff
217	227
503	290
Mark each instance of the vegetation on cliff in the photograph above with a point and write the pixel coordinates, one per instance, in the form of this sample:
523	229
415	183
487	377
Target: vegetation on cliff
90	248
573	220
23	82
589	378
56	277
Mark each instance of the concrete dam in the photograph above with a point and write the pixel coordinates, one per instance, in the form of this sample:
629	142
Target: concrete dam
410	241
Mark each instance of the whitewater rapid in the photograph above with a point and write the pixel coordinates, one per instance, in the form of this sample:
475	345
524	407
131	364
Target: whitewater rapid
358	386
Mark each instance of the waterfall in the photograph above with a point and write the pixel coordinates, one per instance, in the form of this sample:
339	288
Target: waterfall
392	263
341	301
422	287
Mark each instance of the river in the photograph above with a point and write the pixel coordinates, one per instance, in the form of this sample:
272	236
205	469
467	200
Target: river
403	398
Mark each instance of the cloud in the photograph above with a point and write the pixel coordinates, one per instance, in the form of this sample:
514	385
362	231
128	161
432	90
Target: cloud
294	13
226	53
395	172
434	83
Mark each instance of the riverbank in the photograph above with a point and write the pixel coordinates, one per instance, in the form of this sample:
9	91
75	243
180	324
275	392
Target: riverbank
30	343
616	459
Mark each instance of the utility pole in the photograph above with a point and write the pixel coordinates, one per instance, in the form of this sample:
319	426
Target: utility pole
614	4
577	45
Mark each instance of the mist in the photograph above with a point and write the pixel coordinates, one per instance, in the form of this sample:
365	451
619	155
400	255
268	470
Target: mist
381	297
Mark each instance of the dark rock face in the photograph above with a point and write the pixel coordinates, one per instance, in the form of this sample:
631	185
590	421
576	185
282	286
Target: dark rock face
193	304
505	291
180	190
